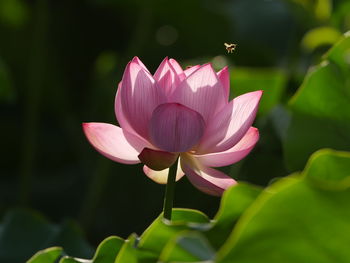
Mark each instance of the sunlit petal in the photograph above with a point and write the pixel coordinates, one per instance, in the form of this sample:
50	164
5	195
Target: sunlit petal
175	128
161	177
139	96
111	142
206	179
232	155
229	125
201	91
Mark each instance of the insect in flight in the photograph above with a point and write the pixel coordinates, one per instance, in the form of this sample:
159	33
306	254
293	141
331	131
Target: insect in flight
230	47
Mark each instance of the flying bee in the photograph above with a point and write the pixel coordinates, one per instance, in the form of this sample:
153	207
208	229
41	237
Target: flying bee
230	47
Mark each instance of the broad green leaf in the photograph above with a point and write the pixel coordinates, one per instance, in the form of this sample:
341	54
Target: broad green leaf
108	250
294	220
306	135
323	94
271	81
67	259
130	252
23	233
187	246
340	53
106	253
127	251
320	110
17	246
160	231
70	237
319	37
329	170
341	15
233	203
49	255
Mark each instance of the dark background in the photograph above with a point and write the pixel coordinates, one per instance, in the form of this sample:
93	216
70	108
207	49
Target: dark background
60	62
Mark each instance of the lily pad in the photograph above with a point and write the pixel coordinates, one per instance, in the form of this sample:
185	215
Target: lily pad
294	220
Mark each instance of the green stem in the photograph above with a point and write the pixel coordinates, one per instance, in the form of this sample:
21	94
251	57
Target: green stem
169	191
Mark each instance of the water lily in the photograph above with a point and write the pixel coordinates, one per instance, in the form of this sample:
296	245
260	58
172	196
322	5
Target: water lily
182	115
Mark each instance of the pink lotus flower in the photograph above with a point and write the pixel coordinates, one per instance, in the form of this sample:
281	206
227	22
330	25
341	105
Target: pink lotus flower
178	113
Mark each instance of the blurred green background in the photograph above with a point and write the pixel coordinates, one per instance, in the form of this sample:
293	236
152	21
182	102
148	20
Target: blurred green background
60	62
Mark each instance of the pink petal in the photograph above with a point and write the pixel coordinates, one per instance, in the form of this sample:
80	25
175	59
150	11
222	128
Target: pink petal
110	141
124	124
176	128
191	69
206	179
157	160
122	120
139	62
234	154
161	177
139	96
224	77
201	91
179	71
229	125
166	77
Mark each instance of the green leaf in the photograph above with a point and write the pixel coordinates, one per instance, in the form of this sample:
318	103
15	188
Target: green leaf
307	134
329	170
187	246
294	220
340	53
24	232
319	37
108	250
323	94
49	255
17	246
160	231
233	203
73	260
70	237
320	110
106	253
271	81
130	252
